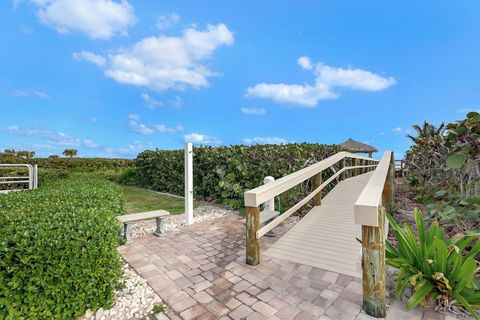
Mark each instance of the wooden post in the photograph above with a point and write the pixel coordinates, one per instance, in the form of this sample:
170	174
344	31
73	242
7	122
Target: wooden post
342	165
270	204
362	163
373	253
357	163
188	184
252	243
373	268
316	182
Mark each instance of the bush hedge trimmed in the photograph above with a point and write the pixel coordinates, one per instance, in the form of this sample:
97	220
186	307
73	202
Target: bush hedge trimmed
58	249
223	174
72	164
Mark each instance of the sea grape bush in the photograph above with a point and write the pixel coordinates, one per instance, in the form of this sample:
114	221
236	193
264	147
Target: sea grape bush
73	164
443	167
223	174
58	249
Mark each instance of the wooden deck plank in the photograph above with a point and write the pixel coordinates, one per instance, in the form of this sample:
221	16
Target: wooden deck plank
326	236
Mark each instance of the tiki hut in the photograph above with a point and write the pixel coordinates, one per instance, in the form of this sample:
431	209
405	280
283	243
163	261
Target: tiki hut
358	147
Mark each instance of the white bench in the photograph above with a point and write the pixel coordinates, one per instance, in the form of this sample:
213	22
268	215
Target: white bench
128	219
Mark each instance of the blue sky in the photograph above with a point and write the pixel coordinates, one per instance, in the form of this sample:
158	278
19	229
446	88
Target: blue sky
112	78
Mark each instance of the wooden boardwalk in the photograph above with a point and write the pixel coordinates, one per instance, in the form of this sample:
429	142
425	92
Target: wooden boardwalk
326	237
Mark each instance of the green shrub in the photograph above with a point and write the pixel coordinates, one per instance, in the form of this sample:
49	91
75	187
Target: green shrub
58	249
73	164
223	174
436	267
129	177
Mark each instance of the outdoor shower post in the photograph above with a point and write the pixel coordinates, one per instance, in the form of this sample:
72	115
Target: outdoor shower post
188	184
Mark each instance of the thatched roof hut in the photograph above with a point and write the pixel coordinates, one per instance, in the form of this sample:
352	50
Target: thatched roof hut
358	147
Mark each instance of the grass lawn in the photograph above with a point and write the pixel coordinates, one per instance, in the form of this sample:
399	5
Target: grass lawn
140	200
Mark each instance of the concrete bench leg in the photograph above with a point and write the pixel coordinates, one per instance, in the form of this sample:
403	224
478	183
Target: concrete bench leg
127	233
159	230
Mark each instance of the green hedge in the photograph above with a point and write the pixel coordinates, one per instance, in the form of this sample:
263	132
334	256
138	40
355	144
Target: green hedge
73	164
223	174
58	249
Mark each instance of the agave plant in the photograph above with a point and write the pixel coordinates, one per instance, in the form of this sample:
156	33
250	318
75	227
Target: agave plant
434	266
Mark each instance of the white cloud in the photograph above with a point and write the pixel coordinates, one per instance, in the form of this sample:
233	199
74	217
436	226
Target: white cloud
327	79
467	110
254	111
264	140
91	57
161	128
304	95
198	138
131	149
98	19
167	22
16	3
28	93
305	62
136	126
90	144
150	102
162	62
25	29
44	147
53	138
176	102
399	130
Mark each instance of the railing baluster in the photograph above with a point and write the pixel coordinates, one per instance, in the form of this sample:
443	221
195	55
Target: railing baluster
342	165
317	181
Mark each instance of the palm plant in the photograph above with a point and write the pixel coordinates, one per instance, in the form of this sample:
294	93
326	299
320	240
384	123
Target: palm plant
427	131
436	267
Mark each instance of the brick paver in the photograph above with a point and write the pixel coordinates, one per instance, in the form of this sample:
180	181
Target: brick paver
200	272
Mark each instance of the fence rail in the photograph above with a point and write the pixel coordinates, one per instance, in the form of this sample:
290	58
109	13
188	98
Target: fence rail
255	197
31	179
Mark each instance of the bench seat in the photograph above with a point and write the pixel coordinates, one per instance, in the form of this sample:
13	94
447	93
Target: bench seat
128	219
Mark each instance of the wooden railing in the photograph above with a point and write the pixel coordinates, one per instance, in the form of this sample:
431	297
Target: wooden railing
370	209
254	198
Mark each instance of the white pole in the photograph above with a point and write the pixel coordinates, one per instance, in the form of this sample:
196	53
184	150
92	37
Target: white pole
35	176
188	183
30	176
270	204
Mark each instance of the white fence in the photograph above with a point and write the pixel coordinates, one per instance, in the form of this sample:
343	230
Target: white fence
31	180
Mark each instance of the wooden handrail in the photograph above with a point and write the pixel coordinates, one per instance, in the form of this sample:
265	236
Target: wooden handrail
367	204
255	197
259	195
260	233
369	211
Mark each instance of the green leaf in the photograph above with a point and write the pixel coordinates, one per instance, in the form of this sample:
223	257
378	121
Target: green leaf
422	289
455	161
467	272
440	194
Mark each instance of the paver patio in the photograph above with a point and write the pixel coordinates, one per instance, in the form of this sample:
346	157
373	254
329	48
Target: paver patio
200	272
